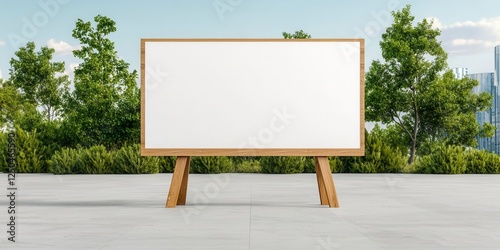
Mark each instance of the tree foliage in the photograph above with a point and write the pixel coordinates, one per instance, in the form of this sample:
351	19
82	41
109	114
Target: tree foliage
300	34
10	104
391	136
449	109
104	107
39	81
33	99
408	90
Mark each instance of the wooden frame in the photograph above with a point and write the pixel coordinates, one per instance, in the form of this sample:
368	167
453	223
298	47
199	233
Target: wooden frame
252	151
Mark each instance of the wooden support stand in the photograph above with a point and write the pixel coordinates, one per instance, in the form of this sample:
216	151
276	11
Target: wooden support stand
178	187
326	187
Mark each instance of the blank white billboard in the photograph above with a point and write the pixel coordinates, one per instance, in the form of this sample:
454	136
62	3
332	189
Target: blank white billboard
252	97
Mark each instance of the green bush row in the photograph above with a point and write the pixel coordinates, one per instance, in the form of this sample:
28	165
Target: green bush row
98	160
31	157
128	160
449	159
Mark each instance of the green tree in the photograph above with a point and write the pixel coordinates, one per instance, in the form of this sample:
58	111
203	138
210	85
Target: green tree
104	107
38	85
391	136
450	108
39	81
300	34
402	90
10	104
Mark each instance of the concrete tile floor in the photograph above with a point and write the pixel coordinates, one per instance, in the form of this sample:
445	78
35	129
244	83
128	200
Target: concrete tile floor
254	211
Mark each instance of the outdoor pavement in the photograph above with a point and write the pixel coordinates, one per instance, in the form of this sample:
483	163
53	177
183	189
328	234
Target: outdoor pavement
253	211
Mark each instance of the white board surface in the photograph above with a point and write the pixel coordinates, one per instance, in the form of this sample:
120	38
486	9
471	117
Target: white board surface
252	94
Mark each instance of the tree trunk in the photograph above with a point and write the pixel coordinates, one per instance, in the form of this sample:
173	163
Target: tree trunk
414	140
49	117
412	151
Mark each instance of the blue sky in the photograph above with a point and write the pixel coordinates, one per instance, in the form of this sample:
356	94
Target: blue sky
470	29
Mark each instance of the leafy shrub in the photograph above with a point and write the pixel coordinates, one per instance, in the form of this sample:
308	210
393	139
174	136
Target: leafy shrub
4	146
129	161
283	164
336	165
167	164
248	166
445	160
49	132
211	165
309	166
239	159
32	156
30	152
95	160
482	162
394	137
65	161
427	147
379	157
363	167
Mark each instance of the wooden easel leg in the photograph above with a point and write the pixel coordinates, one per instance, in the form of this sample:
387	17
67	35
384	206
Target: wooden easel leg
183	192
321	184
177	180
326	175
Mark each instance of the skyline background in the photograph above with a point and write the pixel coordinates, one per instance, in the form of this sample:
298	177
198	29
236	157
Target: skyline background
470	30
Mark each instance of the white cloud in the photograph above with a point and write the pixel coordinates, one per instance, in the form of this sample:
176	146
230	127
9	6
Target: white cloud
2	43
1	77
61	47
435	22
70	70
473	42
470	37
73	66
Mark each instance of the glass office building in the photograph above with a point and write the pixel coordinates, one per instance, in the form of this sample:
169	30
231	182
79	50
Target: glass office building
460	72
497	65
487	84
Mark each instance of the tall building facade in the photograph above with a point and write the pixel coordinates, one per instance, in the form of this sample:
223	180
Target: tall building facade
497	65
491	116
460	72
488	82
